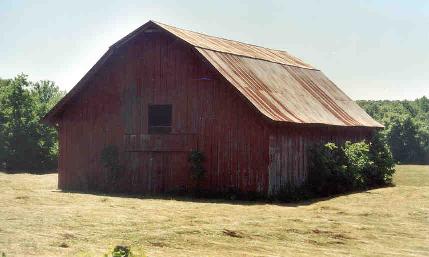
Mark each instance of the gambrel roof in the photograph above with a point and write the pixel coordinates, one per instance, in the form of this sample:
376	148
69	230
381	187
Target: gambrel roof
280	86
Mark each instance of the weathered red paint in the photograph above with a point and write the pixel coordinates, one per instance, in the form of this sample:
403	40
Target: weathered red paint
245	151
208	114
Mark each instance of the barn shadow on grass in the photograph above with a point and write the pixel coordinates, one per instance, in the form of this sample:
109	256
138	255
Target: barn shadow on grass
32	172
222	200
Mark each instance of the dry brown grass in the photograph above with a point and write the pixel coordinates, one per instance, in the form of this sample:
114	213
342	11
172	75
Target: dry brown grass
38	220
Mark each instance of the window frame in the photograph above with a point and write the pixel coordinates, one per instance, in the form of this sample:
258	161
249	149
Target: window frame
160	126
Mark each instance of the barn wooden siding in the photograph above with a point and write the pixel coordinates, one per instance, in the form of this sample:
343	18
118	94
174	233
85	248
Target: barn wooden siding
289	151
208	114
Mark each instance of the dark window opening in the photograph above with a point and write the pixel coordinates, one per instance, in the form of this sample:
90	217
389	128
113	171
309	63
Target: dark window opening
159	119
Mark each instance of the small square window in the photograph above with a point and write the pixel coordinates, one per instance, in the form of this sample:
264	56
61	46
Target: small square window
159	119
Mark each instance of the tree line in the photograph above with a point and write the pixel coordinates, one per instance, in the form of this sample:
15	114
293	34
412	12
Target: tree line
25	143
406	127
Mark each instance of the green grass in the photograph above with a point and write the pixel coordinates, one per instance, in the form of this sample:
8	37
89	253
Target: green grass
412	175
38	220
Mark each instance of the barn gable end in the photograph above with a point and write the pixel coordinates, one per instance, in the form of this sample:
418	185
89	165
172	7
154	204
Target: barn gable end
207	114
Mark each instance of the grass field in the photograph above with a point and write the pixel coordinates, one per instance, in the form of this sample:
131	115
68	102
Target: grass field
38	220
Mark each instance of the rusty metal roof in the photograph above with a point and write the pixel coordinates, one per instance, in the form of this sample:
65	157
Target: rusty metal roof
287	93
281	86
234	47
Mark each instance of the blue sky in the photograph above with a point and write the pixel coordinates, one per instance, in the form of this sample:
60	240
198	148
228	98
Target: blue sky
371	49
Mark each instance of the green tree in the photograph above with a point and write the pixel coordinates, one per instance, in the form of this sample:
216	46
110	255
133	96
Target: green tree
18	123
26	144
46	94
401	135
406	127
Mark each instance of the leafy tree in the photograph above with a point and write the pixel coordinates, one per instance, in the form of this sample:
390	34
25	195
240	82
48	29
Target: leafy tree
406	127
46	94
25	143
18	123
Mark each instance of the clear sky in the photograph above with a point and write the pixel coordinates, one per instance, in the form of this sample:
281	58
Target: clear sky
371	49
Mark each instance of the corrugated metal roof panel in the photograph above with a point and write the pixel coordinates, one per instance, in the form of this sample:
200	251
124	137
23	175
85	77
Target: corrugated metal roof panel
235	47
287	93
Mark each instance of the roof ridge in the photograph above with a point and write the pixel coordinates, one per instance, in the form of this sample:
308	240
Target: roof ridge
222	38
256	58
223	45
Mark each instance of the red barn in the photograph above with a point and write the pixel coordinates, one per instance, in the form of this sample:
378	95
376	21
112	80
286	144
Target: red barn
160	92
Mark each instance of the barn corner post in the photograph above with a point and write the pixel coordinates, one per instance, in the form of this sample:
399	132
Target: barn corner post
60	182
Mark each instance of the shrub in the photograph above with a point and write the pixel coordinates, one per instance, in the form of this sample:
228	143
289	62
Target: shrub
352	166
110	160
196	159
383	163
328	172
123	251
110	157
357	163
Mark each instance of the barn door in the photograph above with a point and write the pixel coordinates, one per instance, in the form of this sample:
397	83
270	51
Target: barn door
159	163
